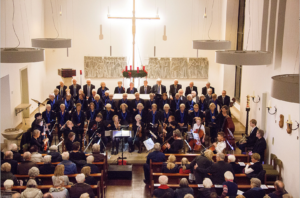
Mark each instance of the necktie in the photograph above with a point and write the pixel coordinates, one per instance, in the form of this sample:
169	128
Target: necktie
61	91
145	89
223	99
74	94
88	93
158	90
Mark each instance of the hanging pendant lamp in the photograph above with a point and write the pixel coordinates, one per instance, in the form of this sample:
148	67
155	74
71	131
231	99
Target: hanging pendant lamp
286	87
246	57
21	55
211	44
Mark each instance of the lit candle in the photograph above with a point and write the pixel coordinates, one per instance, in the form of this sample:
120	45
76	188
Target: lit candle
290	118
137	69
130	67
126	68
143	68
253	94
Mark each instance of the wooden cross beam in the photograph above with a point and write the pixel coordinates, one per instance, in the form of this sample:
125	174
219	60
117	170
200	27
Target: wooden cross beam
133	18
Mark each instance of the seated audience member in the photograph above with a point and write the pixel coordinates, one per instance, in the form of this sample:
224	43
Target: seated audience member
80	187
188	196
94	167
33	173
49	195
84	195
251	139
6	174
287	196
207	190
155	156
255	191
8	185
279	190
60	175
47	168
76	155
16	155
182	168
229	187
70	167
55	156
24	167
183	189
255	168
8	157
170	166
260	145
177	144
88	178
35	156
240	196
31	190
16	195
69	141
217	169
236	167
98	157
163	188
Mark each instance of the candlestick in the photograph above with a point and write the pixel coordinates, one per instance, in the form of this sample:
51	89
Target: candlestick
248	101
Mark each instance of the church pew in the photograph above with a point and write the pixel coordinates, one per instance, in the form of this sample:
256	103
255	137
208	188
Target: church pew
195	187
45	188
191	157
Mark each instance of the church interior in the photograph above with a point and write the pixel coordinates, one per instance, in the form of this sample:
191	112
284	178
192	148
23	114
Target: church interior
127	91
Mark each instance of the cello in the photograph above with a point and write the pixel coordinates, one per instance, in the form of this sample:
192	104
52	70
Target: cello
195	144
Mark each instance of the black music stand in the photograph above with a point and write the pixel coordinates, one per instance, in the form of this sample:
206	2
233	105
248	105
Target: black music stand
121	134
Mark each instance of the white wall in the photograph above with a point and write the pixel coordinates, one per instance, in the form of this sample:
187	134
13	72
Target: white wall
258	79
184	21
29	23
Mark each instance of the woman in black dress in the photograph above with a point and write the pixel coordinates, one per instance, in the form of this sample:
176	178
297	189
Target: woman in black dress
211	121
137	127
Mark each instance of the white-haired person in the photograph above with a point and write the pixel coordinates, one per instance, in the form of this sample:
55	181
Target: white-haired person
229	187
8	185
174	89
78	120
207	189
255	191
33	173
254	169
153	119
98	132
163	101
53	102
62	89
236	167
137	127
183	189
98	157
211	121
16	155
47	167
188	196
124	114
56	95
80	187
111	101
108	114
115	126
6	174
119	89
195	97
49	117
208	96
8	157
166	113
124	100
84	195
182	117
88	178
155	156
24	167
89	163
207	86
35	156
163	188
98	103
190	103
102	89
149	103
92	98
170	166
158	89
131	89
70	167
31	190
16	195
55	155
87	89
175	103
58	190
136	101
142	112
181	96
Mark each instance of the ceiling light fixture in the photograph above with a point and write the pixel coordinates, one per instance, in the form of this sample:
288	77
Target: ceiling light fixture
286	87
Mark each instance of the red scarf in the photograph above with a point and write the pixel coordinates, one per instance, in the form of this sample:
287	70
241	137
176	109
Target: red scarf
163	186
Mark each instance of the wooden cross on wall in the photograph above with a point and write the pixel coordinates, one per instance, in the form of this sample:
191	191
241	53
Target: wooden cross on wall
133	18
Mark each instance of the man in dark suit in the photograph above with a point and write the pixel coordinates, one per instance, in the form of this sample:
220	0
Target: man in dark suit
74	89
224	99
189	89
158	90
208	96
204	89
119	89
217	169
174	88
87	89
251	139
62	89
260	145
146	89
101	91
181	96
131	89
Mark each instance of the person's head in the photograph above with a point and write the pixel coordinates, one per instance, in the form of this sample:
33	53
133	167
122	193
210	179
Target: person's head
279	186
157	147
191	84
255	182
180	91
47	195
53	148
253	123
175	82
154	107
164	96
68	97
138	117
80	178
228	176
14	147
47	158
74	81
86	171
5	167
71	136
223	93
119	83
39	122
152	96
137	95
231	158
140	106
90	159
131	85
221	136
97	97
8	155
115	118
125	96
65	156
189	97
92	106
75	146
166	107
209	91
220	157
182	107
61	83
260	133
145	83
38	116
33	149
163	180
27	156
171	118
111	95
16	195
33	172
62	107
188	196
59	170
225	109
108	106
158	81
124	106
207	183
213	195
255	157
202	97
184	183
78	107
209	154
48	107
31	183
208	85
56	91
194	94
88	82
177	133
212	106
102	84
177	96
99	117
184	162
171	158
198	120
84	195
94	92
96	148
106	93
8	184
69	124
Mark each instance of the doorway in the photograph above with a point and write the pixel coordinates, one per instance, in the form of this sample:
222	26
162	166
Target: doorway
24	91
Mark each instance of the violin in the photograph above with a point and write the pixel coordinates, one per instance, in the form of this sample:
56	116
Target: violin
139	132
196	144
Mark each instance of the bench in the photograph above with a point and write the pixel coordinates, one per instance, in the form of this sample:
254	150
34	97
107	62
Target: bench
45	189
47	179
191	157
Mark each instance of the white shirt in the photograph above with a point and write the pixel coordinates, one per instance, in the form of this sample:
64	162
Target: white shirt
194	99
197	127
220	147
159	88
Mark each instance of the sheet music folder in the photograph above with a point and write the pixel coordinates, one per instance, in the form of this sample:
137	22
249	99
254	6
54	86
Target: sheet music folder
122	133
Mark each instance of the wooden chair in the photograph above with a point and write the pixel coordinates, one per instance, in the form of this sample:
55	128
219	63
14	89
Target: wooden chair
272	164
274	173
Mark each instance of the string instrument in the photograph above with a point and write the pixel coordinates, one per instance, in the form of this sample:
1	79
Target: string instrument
195	144
85	127
164	145
46	146
161	130
212	148
139	131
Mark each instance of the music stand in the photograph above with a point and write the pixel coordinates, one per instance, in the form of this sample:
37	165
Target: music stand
39	103
121	134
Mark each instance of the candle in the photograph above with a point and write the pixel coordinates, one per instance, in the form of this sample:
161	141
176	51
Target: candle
143	68
126	68
289	118
80	72
130	67
138	70
253	94
269	105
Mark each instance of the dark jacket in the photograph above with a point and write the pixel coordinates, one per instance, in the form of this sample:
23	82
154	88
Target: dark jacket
76	120
155	89
148	104
100	93
162	103
251	139
17	156
75	156
94	168
163	189
256	192
71	87
13	163
85	89
124	117
77	189
259	147
134	90
8	175
127	102
217	170
156	156
24	167
236	168
56	156
90	180
164	168
134	103
98	157
185	117
47	169
232	188
208	119
226	101
182	191
205	192
142	89
204	90
189	91
122	90
172	91
174	105
63	91
62	118
202	162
